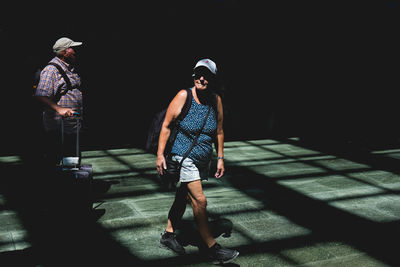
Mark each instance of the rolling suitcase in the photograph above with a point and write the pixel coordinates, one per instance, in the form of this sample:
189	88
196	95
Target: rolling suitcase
78	177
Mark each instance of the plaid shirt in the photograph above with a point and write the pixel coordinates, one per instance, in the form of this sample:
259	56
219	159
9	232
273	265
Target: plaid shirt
51	81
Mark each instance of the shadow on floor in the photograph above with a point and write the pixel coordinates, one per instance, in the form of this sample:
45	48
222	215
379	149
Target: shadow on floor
66	239
326	222
188	234
58	232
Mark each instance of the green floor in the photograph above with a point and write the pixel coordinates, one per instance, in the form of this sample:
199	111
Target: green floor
289	205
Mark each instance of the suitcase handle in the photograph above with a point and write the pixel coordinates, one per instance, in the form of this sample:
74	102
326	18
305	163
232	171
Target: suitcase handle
78	128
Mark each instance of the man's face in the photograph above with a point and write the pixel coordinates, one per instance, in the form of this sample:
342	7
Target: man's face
69	55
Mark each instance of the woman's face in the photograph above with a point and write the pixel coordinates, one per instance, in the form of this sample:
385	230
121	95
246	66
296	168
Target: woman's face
202	78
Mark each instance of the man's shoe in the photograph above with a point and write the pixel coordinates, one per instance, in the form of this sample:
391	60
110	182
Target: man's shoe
168	241
220	255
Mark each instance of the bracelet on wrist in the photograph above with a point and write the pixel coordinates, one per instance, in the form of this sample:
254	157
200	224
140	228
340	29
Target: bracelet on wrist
220	157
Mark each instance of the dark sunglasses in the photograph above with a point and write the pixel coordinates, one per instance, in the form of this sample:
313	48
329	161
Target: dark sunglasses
203	73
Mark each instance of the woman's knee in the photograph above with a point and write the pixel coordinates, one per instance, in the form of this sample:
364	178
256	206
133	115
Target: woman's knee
197	197
199	201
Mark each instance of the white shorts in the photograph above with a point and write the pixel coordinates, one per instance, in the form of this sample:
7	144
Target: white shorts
190	171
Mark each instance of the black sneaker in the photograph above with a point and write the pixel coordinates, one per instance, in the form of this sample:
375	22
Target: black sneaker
168	241
220	255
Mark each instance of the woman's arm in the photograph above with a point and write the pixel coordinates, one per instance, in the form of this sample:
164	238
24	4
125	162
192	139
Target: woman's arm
220	139
173	111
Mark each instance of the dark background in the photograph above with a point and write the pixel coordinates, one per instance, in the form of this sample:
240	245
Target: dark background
325	71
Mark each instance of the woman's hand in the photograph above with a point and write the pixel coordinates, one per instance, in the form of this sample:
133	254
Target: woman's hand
220	168
172	113
161	165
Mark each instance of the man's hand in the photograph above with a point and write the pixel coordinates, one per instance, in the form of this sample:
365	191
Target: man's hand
65	112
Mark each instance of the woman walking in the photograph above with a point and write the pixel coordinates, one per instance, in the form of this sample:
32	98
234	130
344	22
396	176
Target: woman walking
203	121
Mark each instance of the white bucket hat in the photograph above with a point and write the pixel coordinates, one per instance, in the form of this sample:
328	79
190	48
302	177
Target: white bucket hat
64	43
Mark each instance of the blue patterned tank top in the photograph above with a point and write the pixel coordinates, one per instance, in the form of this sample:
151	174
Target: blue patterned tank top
189	126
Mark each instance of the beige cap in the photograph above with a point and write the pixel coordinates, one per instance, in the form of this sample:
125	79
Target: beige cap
64	43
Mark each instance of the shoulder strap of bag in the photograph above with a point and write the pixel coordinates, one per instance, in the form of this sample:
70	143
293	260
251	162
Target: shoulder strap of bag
181	116
196	137
66	79
186	106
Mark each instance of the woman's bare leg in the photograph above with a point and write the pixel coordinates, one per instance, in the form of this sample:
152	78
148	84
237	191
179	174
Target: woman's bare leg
199	204
178	208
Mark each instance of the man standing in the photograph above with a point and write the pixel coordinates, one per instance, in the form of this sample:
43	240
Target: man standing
59	91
